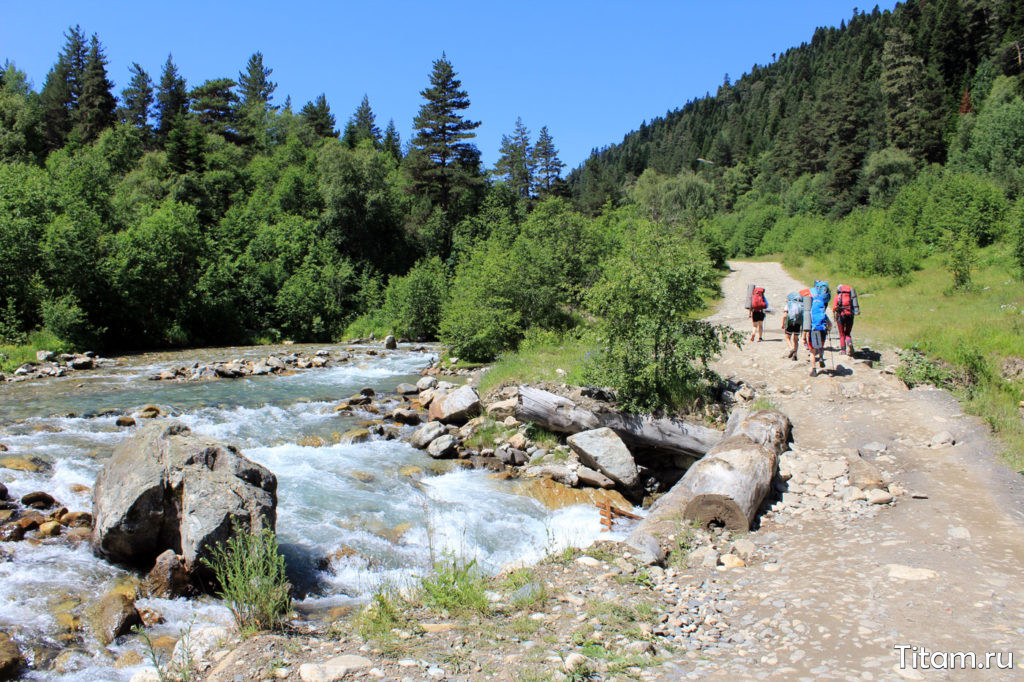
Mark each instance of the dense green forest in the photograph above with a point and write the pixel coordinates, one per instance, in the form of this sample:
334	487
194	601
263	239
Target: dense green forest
180	214
902	128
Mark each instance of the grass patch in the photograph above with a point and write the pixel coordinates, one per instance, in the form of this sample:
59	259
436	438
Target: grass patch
762	403
542	438
683	542
538	361
524	626
250	571
565	556
365	325
13	356
455	586
969	333
485	435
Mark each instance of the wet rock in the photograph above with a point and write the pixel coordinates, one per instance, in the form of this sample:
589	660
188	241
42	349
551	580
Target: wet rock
44	355
3	492
149	412
356	436
117	617
457	407
32	465
49	529
603	450
359	399
511	456
11	532
404	416
406	389
390	343
38	500
11	660
367	391
167	488
82	362
426	383
442	447
168	578
78	519
426	434
411	471
125	420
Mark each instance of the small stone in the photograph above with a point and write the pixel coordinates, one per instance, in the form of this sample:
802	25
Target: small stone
38	500
732	561
588	561
49	529
901	572
879	496
942	438
959	533
435	673
125	420
573	661
744	548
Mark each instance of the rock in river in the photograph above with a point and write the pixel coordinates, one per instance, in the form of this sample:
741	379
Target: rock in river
603	450
167	488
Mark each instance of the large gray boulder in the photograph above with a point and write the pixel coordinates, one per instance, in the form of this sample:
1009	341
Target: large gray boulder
167	488
426	434
457	407
603	450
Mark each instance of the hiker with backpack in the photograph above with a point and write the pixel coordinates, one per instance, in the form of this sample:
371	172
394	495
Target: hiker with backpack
845	308
816	318
792	322
756	306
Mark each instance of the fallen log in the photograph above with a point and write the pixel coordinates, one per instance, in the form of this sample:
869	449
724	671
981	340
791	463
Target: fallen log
728	484
561	415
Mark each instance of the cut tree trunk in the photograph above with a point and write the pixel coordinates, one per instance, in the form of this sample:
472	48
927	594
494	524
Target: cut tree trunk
726	487
561	415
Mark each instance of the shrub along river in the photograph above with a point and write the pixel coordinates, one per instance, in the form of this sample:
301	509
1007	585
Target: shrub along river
377	511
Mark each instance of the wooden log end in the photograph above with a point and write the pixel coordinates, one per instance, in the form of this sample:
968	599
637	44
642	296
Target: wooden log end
716	511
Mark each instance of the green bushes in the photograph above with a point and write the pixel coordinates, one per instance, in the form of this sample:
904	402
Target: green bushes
413	302
250	571
653	352
456	586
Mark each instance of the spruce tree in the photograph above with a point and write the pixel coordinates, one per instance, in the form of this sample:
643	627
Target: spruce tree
254	85
96	104
317	115
546	162
171	98
516	163
362	126
392	143
443	165
62	89
137	98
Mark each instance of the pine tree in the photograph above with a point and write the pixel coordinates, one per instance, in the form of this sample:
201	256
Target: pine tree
62	89
392	143
912	98
254	85
137	98
96	104
317	115
516	163
171	98
546	162
443	165
215	104
362	126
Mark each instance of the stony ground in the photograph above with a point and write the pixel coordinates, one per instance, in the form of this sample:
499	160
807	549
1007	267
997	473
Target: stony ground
826	588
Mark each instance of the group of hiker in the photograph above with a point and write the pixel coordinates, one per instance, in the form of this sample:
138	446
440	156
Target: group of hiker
806	319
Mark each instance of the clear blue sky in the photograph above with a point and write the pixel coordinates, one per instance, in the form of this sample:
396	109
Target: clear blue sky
590	71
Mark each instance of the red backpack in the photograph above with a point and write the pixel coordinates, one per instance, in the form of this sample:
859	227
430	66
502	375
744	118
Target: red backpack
846	300
757	301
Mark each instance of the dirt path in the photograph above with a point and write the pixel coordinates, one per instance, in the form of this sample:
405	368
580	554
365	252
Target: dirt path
843	582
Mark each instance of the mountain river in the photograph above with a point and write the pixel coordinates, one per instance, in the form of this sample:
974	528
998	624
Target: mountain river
346	502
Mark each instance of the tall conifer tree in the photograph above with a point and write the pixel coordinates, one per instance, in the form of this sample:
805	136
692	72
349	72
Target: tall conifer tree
392	143
362	126
171	98
444	165
317	115
137	99
62	89
255	88
516	162
96	104
546	162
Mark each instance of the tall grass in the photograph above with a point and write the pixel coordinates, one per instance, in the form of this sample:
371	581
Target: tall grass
13	356
970	333
250	571
539	360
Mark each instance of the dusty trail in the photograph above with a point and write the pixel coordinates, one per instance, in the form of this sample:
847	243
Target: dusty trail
828	601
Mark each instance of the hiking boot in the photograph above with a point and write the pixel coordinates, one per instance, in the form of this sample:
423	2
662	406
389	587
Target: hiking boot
821	363
849	348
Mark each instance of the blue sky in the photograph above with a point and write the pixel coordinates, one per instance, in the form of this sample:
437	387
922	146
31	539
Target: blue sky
590	71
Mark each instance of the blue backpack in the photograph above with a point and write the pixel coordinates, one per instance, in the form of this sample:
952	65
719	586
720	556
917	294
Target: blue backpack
821	290
819	314
794	307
